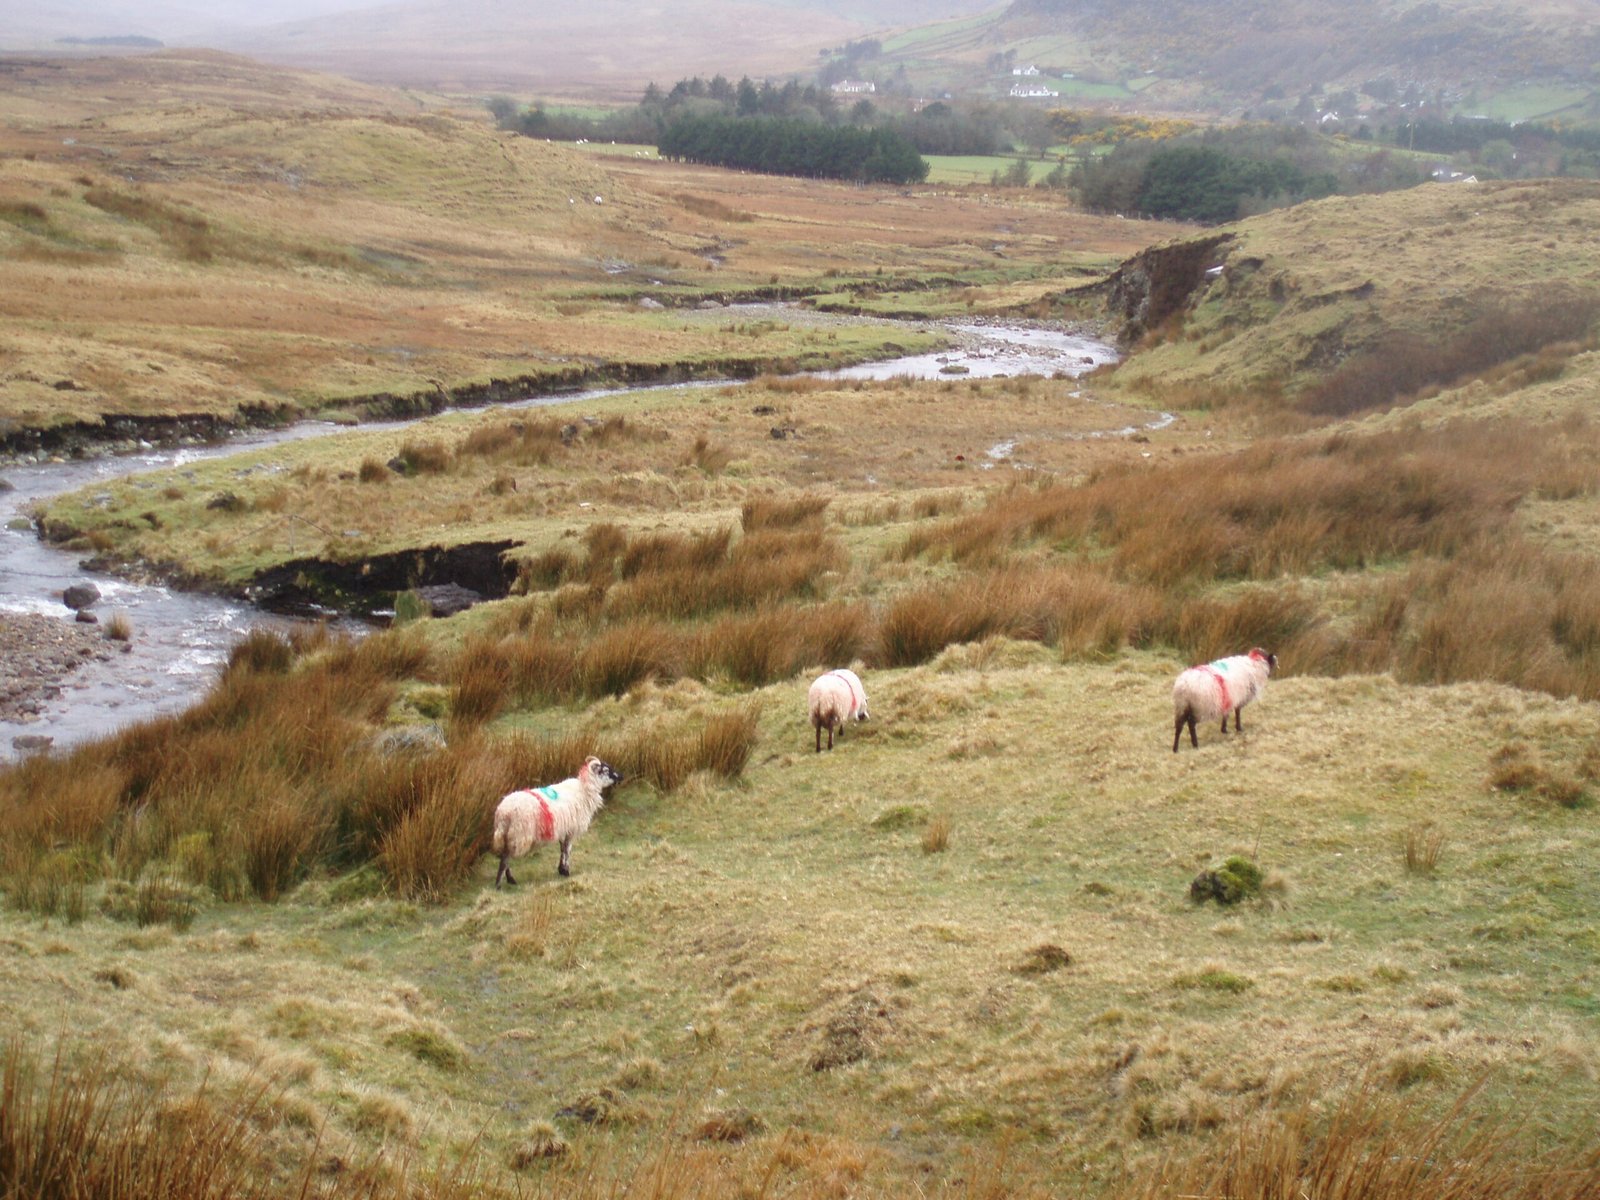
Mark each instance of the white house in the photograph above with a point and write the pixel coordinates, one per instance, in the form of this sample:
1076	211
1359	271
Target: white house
854	86
1031	91
1030	69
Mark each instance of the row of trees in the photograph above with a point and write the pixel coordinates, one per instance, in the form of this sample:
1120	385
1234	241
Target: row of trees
788	147
1221	175
972	128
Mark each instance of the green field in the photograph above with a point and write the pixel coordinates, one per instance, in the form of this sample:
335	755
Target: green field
1533	102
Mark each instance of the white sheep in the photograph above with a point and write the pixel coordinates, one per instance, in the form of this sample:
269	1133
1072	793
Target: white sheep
1216	689
558	813
834	699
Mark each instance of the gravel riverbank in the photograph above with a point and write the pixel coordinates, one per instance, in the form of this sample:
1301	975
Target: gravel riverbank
37	653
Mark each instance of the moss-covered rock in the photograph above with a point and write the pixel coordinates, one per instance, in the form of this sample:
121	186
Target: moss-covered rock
1236	879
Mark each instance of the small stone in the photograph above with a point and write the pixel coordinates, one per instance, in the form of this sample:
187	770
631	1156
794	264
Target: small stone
31	743
85	617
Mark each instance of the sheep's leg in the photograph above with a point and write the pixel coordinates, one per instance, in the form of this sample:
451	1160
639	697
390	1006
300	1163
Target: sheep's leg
818	728
504	872
830	737
566	849
1186	717
1237	724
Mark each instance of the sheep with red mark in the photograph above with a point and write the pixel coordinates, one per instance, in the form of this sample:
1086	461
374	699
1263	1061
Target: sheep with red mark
560	812
1217	689
834	700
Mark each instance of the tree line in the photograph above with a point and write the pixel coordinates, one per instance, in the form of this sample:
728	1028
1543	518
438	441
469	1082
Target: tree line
942	127
1224	174
784	146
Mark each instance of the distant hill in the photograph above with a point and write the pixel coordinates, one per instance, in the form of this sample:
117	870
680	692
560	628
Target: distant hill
603	48
1222	55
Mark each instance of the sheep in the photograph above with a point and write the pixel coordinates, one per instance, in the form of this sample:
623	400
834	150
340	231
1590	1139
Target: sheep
1217	689
558	813
834	699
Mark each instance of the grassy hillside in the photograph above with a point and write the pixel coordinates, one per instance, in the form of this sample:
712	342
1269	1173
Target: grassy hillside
960	954
1226	57
188	234
1349	304
792	974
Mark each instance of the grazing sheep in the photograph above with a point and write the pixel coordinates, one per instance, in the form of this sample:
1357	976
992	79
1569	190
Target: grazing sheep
834	699
558	813
1216	689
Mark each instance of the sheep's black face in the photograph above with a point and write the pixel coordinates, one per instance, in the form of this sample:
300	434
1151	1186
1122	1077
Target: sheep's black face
605	774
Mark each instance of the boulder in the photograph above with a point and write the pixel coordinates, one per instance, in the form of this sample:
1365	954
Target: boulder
80	596
448	599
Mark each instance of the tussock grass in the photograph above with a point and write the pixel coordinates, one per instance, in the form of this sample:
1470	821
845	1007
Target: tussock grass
1421	848
1533	338
680	576
775	512
280	774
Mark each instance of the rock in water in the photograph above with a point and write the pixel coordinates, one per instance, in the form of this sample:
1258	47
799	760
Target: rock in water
80	596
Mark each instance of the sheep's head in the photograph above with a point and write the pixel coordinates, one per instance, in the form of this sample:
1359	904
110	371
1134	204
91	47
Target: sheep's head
1261	655
861	711
603	773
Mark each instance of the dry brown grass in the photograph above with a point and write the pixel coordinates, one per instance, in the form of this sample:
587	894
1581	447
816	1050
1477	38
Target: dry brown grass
1369	1146
1529	341
280	772
234	200
782	512
1422	846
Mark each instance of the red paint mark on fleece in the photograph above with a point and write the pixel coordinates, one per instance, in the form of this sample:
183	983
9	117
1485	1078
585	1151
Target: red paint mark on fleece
1222	686
547	821
855	695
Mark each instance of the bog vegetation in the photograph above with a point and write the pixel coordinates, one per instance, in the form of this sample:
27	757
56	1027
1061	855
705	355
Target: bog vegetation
253	949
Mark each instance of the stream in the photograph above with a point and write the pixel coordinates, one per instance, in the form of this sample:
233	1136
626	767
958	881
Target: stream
181	638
